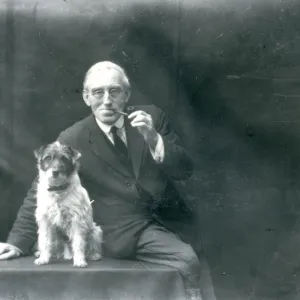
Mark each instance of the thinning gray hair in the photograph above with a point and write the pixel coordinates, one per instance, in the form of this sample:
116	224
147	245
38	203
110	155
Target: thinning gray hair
107	65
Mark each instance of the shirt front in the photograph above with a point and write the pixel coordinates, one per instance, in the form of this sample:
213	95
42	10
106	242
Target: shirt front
157	153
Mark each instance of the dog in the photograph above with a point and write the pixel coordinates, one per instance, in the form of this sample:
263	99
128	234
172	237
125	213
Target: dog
64	211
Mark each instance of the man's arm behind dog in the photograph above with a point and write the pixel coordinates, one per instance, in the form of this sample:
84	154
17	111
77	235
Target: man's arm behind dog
23	234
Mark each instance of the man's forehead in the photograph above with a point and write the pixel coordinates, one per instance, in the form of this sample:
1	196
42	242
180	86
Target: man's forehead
104	77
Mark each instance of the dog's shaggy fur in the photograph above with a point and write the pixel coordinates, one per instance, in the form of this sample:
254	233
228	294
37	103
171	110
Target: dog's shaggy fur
64	212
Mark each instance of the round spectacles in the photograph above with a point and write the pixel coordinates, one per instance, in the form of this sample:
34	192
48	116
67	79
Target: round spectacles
113	92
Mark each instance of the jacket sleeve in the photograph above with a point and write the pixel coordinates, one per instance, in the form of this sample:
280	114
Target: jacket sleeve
23	234
177	163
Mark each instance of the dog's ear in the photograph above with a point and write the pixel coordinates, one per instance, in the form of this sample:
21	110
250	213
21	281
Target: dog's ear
75	154
39	152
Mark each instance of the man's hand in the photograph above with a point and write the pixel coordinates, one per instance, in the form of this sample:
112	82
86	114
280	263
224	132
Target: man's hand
8	251
144	123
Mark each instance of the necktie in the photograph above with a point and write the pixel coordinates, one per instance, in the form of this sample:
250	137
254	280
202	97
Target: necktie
119	144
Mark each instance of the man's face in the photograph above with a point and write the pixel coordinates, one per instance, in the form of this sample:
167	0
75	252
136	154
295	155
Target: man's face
105	95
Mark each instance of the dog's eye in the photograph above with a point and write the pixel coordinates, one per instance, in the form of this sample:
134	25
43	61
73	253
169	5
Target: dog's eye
47	158
66	159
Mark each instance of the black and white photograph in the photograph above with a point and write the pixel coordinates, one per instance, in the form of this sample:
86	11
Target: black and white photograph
150	150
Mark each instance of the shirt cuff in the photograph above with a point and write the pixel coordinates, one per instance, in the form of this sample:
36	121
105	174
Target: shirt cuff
21	252
158	153
17	247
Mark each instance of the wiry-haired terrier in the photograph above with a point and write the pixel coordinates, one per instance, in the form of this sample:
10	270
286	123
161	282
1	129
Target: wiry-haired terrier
64	212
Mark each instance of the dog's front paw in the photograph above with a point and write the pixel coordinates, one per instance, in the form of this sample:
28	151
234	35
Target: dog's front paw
37	253
42	261
80	263
95	256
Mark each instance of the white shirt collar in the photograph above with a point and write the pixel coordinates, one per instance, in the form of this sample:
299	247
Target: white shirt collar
106	128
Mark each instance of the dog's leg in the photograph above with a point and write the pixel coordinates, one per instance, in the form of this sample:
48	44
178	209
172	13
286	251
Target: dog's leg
44	243
58	243
78	246
67	251
94	244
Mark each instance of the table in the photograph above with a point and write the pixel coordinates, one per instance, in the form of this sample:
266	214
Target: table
107	279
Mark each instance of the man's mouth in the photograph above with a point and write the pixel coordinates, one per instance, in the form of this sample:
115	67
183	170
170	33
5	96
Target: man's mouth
109	111
114	111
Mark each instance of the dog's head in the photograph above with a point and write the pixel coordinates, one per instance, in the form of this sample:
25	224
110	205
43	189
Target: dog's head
56	164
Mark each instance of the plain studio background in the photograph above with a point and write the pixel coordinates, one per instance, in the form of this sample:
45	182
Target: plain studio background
228	74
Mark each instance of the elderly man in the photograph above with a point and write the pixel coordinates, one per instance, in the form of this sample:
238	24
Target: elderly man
128	162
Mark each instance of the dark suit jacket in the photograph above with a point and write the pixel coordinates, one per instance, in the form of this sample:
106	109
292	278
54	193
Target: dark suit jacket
125	199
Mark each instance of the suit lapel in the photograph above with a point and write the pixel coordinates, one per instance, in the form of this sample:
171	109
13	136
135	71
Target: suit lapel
136	147
100	146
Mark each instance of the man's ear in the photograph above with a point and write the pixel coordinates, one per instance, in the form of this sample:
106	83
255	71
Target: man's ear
85	96
39	152
128	94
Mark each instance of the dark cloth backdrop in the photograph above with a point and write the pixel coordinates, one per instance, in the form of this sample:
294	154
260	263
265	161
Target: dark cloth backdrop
226	71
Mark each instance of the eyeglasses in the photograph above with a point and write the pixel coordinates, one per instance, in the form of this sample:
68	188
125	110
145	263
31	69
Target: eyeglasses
113	92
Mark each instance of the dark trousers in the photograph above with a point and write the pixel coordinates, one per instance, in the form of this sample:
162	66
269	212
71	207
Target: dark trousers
161	246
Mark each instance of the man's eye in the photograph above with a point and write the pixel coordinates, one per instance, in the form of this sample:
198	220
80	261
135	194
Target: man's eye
98	93
114	91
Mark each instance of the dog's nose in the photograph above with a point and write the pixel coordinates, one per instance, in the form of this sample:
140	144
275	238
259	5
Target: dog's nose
55	173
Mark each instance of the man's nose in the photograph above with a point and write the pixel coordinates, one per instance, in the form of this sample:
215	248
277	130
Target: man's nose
106	98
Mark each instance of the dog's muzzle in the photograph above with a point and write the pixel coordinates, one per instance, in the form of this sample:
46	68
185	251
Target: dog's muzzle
56	188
